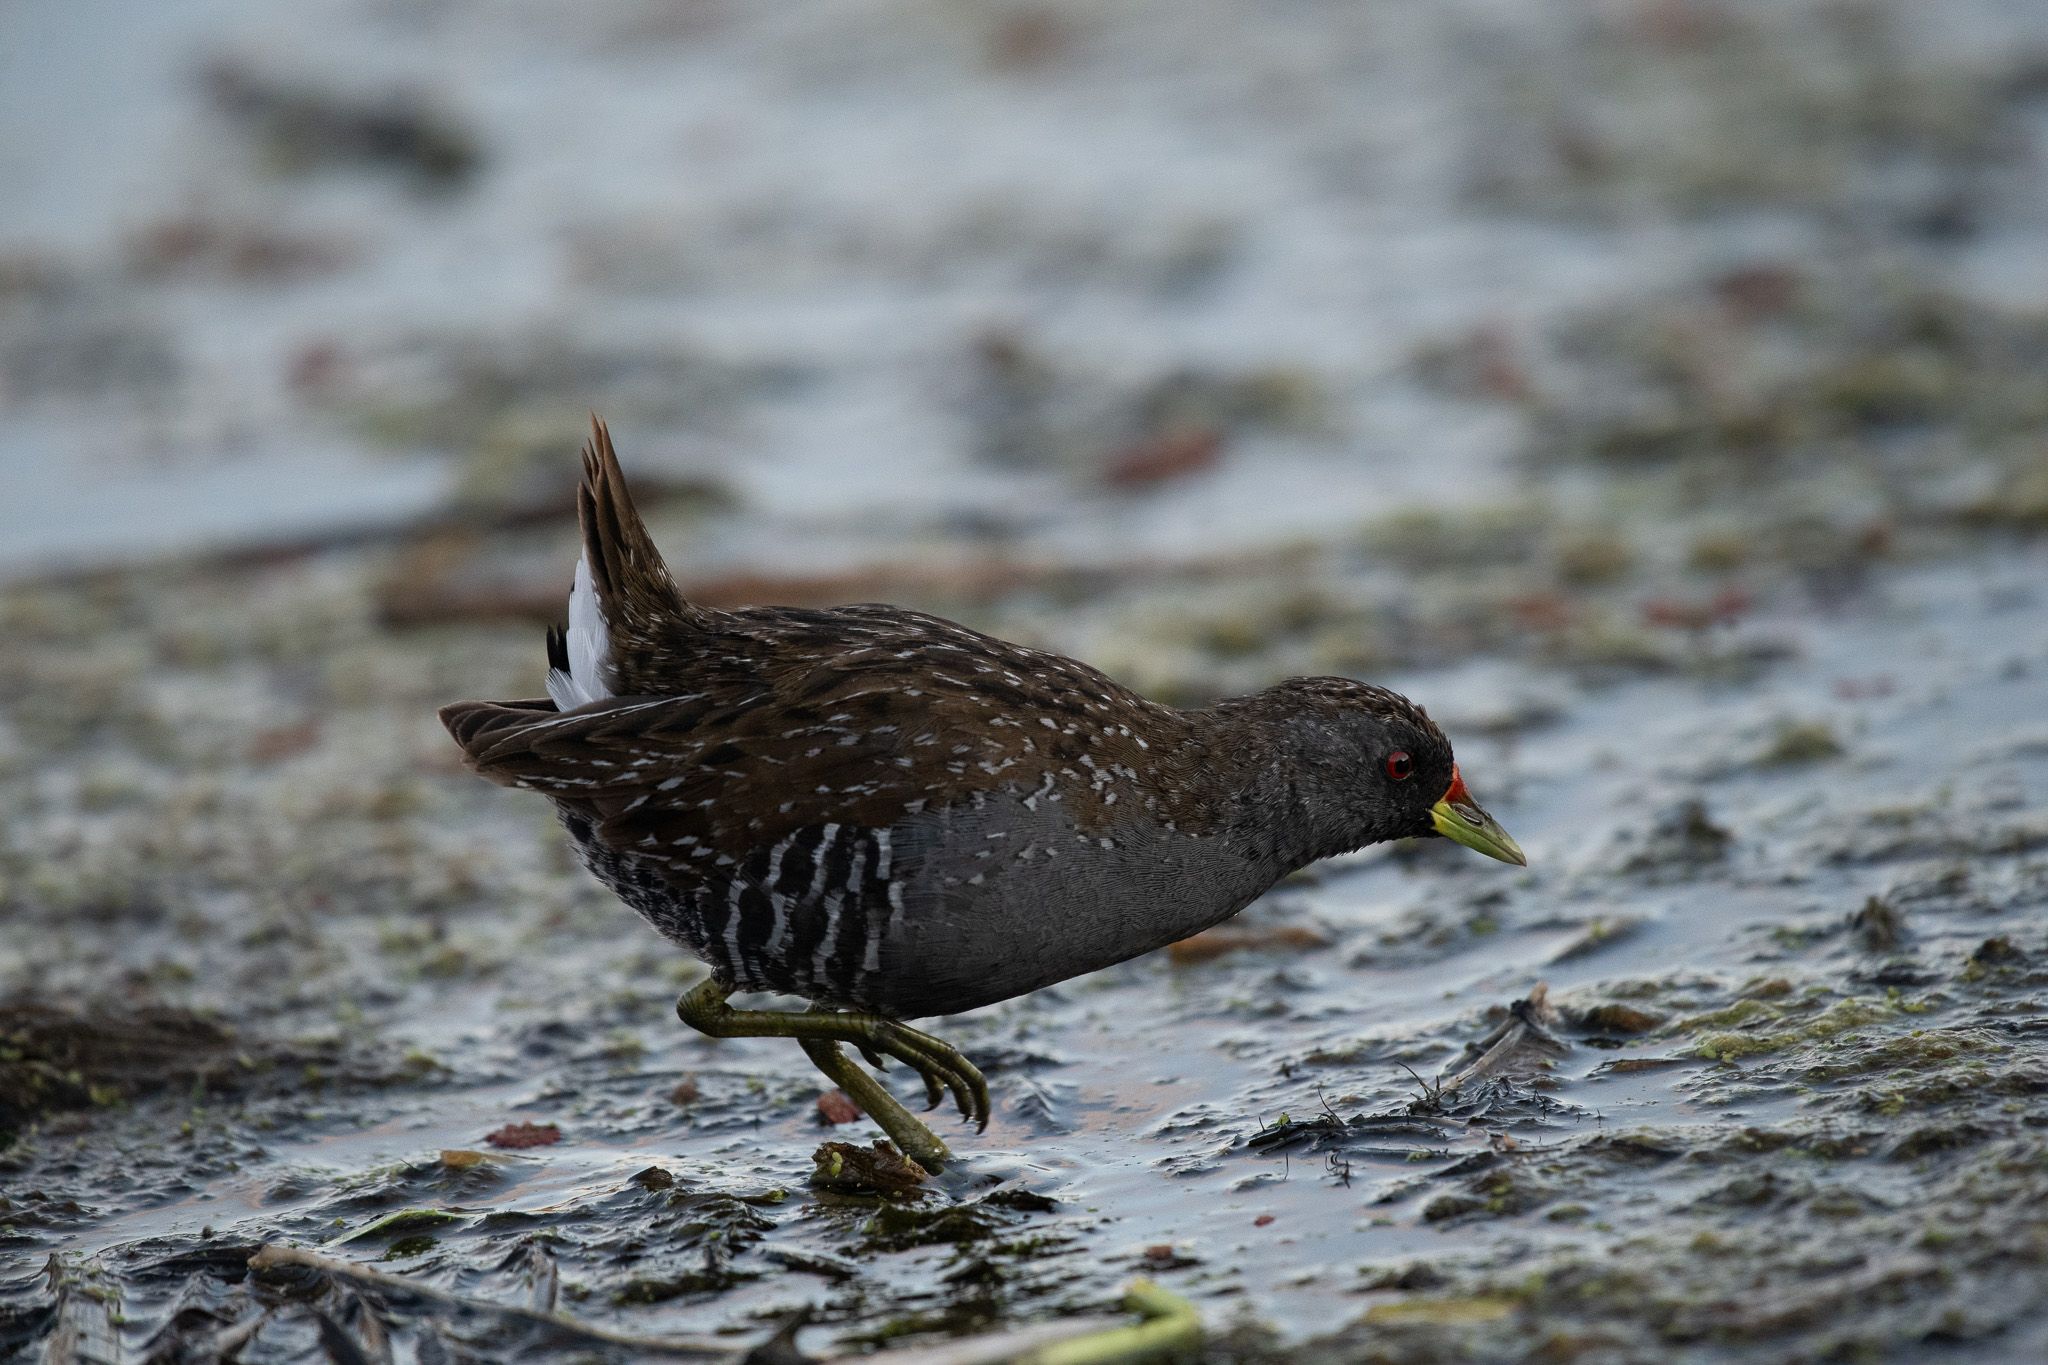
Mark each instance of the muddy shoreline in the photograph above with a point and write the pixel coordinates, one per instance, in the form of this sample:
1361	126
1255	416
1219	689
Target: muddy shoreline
1654	393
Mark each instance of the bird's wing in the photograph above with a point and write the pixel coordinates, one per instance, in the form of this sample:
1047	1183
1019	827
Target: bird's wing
852	716
669	775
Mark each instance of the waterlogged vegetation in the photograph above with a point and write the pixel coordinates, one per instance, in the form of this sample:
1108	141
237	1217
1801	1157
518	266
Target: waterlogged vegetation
283	976
314	1047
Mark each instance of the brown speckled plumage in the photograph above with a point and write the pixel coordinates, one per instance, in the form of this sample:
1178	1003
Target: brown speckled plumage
878	808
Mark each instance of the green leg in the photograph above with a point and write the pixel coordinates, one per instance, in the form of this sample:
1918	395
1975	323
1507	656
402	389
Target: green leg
904	1128
703	1008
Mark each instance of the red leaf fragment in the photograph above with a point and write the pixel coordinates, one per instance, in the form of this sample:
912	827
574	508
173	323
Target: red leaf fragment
1168	455
836	1107
1723	608
283	741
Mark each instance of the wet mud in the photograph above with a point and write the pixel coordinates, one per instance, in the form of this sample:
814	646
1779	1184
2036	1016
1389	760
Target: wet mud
314	1047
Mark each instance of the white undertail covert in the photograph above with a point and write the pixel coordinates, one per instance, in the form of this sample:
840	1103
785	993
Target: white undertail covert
589	647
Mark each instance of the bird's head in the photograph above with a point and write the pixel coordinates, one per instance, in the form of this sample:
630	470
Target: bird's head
1380	767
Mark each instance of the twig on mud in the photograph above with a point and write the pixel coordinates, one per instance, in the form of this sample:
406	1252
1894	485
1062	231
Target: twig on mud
1432	1091
1169	1324
1017	1347
85	1332
1527	1028
1324	1100
781	1348
224	1343
343	1349
271	1255
547	1277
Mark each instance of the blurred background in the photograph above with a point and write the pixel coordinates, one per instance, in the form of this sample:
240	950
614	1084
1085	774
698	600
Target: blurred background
1074	285
1657	389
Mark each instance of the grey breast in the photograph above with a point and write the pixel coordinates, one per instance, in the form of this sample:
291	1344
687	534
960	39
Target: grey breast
944	911
999	897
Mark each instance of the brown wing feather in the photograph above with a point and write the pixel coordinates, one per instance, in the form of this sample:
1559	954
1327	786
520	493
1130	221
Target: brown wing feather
642	607
479	726
734	728
683	774
782	738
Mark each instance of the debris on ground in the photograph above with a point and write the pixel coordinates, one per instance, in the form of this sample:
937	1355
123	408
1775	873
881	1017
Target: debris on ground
836	1107
845	1168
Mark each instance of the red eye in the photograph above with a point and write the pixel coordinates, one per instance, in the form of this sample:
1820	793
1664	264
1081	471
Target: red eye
1400	767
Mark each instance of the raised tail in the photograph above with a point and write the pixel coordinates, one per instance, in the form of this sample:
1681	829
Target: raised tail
623	601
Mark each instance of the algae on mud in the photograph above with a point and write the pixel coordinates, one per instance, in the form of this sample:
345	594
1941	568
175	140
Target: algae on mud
1738	606
1740	1083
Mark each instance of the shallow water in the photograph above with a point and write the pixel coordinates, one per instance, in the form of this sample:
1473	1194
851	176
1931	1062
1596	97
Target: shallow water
1136	1099
1721	563
808	222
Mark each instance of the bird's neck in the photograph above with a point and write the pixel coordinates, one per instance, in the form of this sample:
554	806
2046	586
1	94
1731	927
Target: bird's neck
1282	799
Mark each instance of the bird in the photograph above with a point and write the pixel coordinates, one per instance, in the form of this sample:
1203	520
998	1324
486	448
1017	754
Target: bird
891	816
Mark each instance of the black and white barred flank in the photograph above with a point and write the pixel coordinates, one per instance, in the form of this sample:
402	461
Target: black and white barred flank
806	915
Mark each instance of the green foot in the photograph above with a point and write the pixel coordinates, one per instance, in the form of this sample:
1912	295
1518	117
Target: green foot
704	1008
904	1128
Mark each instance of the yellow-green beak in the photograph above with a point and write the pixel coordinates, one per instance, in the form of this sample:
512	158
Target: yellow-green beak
1458	817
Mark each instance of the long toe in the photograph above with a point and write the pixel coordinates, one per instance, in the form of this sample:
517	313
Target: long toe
932	1069
977	1087
940	1060
980	1098
965	1080
935	1061
934	1092
969	1086
973	1094
963	1093
970	1091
